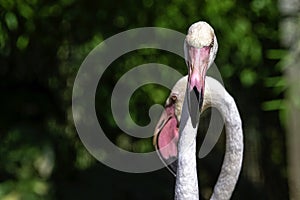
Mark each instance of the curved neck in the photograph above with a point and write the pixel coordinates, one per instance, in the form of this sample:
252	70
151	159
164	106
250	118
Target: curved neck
220	99
186	177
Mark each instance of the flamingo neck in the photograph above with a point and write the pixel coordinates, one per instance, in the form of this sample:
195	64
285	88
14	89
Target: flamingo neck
219	98
186	177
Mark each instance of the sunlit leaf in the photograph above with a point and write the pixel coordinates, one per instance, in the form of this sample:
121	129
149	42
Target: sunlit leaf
248	77
273	105
22	42
11	21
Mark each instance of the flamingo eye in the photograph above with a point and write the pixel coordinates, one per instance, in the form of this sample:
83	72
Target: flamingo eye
173	98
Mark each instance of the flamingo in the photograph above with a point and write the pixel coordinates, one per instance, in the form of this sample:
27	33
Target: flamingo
175	133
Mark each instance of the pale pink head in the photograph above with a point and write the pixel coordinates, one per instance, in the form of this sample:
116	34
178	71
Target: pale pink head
200	48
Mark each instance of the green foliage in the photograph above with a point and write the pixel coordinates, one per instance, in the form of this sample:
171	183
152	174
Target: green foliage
42	44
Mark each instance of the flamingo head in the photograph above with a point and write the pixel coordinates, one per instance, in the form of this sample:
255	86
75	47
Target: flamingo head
166	133
200	48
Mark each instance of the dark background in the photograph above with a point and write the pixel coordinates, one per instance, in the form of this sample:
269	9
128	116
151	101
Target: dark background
42	45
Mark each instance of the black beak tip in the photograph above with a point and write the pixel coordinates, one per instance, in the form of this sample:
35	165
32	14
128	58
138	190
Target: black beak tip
194	121
195	104
173	167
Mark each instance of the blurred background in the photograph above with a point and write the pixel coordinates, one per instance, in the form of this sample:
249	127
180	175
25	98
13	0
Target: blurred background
42	45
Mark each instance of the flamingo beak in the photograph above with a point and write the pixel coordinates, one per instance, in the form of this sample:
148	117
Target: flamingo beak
197	67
